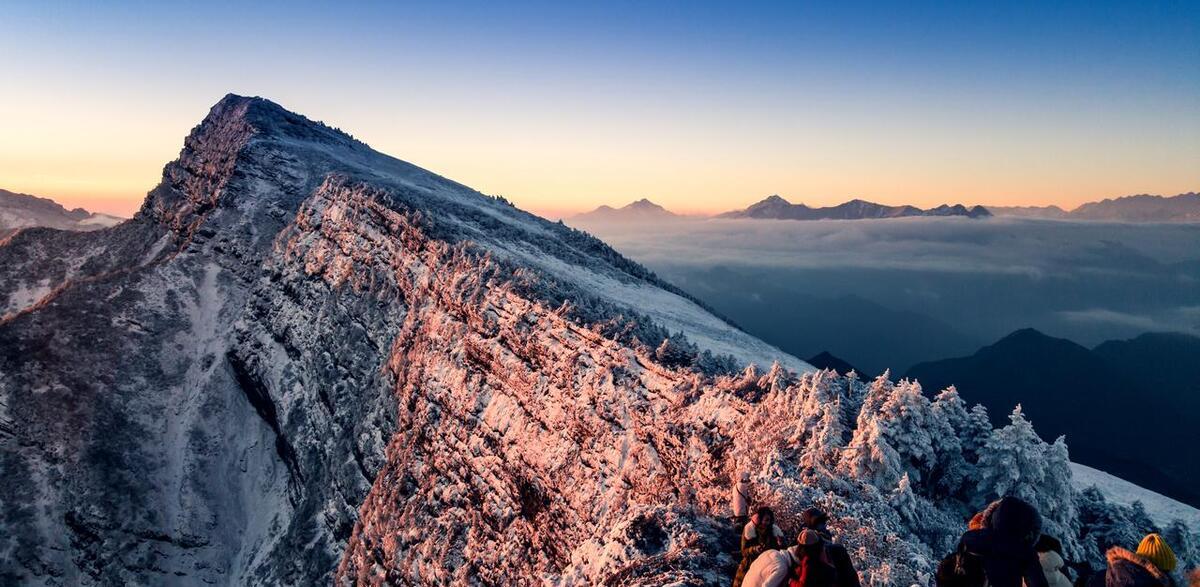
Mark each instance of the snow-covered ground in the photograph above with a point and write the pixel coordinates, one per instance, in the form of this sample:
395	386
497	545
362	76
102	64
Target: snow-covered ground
675	313
1161	508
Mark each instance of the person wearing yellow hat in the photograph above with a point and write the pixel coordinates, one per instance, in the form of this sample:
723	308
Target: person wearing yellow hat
1154	548
1148	567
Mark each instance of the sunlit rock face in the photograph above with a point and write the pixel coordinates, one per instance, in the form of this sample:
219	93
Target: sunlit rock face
211	391
306	362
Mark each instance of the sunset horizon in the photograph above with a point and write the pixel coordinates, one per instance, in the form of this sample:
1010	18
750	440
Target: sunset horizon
702	110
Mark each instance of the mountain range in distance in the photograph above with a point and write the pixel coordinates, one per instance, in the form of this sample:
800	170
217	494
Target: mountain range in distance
776	208
19	211
1138	208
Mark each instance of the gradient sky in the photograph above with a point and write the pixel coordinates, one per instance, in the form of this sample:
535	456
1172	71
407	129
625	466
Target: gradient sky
561	106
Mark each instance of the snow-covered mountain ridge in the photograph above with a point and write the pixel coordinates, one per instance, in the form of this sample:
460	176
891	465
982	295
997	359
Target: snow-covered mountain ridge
306	361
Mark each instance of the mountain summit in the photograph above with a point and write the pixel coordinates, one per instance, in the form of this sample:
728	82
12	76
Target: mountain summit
220	384
641	210
306	362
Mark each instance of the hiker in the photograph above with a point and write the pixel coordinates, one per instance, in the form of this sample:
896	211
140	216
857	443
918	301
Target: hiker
740	502
813	568
1049	551
1005	544
1148	567
760	535
835	554
961	568
775	567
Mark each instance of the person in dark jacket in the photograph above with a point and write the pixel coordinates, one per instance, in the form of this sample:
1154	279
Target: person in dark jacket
961	569
1136	569
813	567
760	535
1006	544
844	573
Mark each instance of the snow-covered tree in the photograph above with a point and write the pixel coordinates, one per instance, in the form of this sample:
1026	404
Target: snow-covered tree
949	419
894	436
976	433
1016	462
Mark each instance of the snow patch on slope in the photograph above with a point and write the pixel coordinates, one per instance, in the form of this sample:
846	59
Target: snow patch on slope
1162	509
26	295
673	312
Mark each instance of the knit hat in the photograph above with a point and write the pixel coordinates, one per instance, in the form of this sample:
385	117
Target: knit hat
1014	518
1155	549
813	518
808	537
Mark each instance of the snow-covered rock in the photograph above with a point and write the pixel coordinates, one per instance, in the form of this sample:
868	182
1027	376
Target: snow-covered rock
304	361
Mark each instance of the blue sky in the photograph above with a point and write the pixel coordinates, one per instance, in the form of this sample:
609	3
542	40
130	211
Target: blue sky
562	106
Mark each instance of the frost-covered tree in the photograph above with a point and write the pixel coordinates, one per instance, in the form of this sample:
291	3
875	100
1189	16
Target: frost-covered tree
1012	462
1104	524
949	419
1015	461
673	353
895	436
976	433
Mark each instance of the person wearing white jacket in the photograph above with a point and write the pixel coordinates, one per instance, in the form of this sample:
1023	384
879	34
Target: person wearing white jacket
775	568
772	568
739	502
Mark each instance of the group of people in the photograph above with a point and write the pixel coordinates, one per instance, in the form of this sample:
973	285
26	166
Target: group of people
768	560
1004	547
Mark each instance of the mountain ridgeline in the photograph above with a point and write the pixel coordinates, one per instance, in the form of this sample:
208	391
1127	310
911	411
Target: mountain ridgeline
777	208
19	211
304	362
1115	403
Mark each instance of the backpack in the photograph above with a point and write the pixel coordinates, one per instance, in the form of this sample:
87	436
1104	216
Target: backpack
961	569
813	571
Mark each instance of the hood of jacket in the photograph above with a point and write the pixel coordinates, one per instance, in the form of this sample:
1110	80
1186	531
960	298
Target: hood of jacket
1127	568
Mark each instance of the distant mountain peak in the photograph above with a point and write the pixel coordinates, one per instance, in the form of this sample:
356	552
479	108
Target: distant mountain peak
827	360
641	209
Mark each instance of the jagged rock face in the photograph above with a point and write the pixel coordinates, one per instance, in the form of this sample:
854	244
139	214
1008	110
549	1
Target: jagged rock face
210	392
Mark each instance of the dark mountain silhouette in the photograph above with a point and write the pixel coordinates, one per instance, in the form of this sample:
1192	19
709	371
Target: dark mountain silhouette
775	207
1167	364
1115	416
825	360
